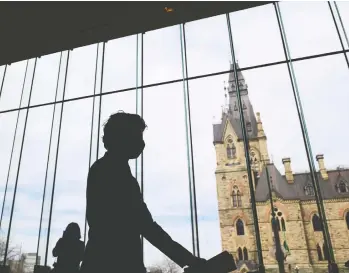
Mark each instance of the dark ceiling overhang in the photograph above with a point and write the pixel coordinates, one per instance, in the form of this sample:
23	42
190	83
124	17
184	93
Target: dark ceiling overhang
33	29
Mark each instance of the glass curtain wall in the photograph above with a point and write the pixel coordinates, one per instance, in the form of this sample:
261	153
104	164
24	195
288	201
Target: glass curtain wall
246	139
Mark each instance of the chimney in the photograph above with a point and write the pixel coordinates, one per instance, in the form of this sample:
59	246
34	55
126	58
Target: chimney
288	170
323	171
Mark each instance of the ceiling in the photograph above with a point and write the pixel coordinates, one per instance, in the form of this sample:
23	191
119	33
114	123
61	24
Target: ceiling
32	29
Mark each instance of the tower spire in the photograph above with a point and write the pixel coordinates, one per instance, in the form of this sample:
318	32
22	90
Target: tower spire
249	116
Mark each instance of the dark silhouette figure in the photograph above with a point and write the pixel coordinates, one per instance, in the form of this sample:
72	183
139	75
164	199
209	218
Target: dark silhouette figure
69	250
116	213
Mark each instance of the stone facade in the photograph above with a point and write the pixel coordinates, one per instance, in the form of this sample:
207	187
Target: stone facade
233	195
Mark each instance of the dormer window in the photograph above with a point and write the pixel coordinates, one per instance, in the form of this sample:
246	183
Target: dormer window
342	187
309	190
248	126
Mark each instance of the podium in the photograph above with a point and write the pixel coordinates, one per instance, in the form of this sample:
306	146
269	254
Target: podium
4	269
41	269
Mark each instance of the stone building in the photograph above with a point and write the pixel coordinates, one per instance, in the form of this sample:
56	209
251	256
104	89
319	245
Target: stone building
293	195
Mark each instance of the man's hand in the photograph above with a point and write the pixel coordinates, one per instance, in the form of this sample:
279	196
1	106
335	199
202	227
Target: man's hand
196	264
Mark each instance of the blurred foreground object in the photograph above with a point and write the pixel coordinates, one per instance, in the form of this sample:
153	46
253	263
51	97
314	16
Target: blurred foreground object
42	269
4	269
221	263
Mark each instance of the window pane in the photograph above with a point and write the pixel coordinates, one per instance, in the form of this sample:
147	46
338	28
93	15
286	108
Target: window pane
27	210
274	101
81	71
162	55
309	28
165	166
13	84
72	168
7	128
45	82
256	36
323	85
209	50
120	63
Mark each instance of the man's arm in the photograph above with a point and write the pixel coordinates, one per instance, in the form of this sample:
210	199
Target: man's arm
92	198
161	240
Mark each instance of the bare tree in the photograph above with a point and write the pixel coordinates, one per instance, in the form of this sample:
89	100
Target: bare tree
166	266
12	253
14	257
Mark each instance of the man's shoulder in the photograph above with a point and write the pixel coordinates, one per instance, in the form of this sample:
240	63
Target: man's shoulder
98	164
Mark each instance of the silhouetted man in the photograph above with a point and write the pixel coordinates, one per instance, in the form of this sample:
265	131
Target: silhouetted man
116	213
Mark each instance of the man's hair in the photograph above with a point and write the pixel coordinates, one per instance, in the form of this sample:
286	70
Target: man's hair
121	124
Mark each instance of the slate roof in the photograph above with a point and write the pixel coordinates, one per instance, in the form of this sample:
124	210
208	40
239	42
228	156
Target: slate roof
295	190
218	129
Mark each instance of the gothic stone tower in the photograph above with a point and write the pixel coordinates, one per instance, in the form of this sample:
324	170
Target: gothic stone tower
231	173
292	193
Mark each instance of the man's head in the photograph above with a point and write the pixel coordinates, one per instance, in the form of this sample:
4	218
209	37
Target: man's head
123	135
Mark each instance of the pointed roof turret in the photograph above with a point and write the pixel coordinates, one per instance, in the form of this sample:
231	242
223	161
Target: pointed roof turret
233	114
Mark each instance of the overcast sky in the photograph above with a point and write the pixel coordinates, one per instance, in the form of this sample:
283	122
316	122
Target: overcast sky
323	85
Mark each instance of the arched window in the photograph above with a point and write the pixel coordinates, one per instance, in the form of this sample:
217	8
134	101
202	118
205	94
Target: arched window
325	250
319	253
283	226
309	190
241	258
245	254
239	199
229	152
342	187
347	219
236	195
240	230
316	223
235	204
231	149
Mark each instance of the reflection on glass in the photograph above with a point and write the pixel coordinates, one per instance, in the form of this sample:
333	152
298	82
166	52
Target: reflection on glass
309	28
162	55
256	41
165	166
120	64
208	50
72	169
81	71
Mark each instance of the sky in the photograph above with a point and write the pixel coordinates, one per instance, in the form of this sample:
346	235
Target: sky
322	85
